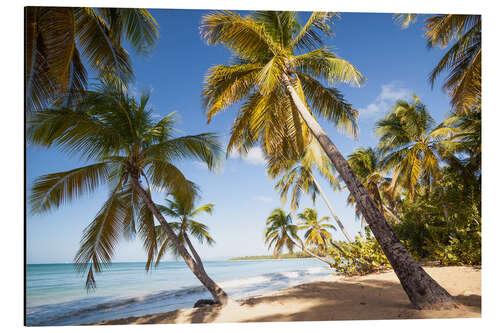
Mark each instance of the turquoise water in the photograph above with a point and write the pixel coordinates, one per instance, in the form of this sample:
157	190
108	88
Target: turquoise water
55	293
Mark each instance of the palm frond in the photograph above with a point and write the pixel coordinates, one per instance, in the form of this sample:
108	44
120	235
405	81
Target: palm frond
309	37
323	64
99	239
241	35
147	231
136	25
405	20
227	85
203	147
73	132
53	190
330	104
101	48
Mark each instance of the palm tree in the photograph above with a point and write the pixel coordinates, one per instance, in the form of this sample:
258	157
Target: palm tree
281	232
182	209
367	164
409	143
463	151
462	60
298	176
127	150
317	233
59	40
278	69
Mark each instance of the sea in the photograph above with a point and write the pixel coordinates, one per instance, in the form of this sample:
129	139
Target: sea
56	294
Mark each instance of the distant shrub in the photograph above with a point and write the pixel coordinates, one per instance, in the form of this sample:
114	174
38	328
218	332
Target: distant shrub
295	255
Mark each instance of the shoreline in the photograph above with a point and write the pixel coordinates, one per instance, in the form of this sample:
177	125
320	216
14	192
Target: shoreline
369	297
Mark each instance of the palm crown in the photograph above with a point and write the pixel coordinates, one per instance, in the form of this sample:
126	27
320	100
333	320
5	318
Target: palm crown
409	143
267	46
60	40
117	133
184	211
367	164
298	177
280	232
316	230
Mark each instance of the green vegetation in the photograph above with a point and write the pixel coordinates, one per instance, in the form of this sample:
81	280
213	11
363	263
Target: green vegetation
433	200
361	257
60	40
183	210
295	255
316	230
463	58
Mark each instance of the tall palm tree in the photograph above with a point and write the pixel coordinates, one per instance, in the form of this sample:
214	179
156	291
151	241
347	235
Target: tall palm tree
59	40
131	153
183	210
409	143
298	176
278	69
317	233
281	232
367	164
463	58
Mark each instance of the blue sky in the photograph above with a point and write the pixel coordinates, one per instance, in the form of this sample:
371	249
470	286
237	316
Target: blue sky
395	62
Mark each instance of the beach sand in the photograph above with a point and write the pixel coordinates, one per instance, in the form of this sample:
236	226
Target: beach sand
374	296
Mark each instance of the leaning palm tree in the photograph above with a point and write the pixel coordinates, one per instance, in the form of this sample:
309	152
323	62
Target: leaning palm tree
298	176
131	153
409	144
281	232
182	209
60	40
367	164
462	59
278	73
317	233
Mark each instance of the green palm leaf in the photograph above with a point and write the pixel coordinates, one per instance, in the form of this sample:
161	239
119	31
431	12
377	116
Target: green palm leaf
56	189
100	238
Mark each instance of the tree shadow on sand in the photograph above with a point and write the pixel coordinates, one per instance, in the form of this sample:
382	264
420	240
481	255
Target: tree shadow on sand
369	299
353	300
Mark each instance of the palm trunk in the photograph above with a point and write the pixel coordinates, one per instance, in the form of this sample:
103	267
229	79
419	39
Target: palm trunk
422	290
392	214
363	222
339	223
303	248
197	268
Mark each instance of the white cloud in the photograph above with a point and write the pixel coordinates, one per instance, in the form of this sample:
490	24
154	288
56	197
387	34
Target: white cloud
263	198
254	156
389	94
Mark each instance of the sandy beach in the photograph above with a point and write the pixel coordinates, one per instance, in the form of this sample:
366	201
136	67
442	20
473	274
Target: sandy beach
374	296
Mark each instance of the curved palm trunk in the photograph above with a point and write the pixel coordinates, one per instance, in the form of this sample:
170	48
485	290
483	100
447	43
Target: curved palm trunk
339	223
422	290
195	265
392	214
303	248
193	251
